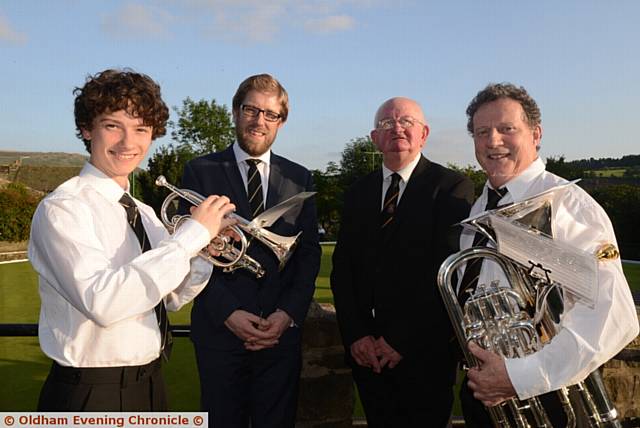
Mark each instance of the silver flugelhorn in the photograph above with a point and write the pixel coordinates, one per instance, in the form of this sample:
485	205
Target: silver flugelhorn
518	318
235	254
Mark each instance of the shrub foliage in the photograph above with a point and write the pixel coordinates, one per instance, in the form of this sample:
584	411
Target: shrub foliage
17	206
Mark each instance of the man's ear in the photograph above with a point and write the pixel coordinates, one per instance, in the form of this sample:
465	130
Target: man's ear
537	135
374	138
86	134
425	131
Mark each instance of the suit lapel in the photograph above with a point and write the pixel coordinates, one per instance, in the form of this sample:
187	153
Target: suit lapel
276	181
373	201
238	194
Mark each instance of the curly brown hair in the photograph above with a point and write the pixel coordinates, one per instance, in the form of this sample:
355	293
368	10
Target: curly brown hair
262	83
113	90
495	91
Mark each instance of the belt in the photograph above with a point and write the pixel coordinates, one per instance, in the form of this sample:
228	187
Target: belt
105	375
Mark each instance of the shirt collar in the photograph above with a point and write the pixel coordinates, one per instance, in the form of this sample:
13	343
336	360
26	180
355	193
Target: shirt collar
518	186
242	156
103	184
404	173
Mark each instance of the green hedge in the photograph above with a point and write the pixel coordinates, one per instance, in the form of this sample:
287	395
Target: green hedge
17	206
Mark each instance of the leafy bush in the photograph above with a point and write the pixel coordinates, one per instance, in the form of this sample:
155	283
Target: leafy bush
17	206
622	203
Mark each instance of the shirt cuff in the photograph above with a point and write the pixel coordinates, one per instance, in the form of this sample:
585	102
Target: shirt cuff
527	376
192	236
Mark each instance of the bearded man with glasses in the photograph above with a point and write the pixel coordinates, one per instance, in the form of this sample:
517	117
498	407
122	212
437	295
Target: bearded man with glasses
396	230
247	330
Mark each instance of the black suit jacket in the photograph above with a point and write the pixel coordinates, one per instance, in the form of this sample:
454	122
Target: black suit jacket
291	289
395	274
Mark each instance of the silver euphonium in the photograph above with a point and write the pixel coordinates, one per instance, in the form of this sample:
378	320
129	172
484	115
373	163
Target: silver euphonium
518	318
234	255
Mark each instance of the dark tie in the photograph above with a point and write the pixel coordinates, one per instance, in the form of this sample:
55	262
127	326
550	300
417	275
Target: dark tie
390	201
254	188
472	271
133	217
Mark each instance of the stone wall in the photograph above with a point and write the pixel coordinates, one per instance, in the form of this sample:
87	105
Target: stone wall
622	380
326	387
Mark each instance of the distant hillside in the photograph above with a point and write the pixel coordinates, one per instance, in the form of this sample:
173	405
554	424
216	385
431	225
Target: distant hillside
51	159
602	163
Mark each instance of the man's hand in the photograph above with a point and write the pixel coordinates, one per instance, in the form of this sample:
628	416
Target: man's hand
489	381
248	327
387	353
273	326
364	353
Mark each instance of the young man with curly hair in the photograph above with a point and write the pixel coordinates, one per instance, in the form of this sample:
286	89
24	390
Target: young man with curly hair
106	264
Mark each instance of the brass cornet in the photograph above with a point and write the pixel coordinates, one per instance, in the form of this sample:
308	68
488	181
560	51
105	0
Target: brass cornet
235	255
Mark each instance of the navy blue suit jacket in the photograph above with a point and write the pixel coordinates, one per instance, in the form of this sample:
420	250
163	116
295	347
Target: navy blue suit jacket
291	289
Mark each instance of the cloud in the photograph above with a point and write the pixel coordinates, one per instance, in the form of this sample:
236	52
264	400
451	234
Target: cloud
329	24
8	34
249	20
135	20
262	21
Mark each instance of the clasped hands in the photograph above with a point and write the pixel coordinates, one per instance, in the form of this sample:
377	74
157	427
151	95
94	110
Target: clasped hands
374	353
489	381
256	332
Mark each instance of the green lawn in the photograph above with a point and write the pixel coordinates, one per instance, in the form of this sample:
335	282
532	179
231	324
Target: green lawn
23	367
608	172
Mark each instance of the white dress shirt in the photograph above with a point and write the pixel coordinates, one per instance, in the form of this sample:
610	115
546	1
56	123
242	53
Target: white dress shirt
404	173
587	337
98	290
262	167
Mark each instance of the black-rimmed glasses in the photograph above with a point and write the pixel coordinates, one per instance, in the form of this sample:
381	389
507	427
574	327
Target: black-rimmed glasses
252	111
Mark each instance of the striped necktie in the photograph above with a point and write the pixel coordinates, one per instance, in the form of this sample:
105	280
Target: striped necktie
472	270
134	220
390	201
254	188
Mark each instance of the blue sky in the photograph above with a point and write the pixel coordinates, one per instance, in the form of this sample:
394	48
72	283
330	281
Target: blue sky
339	60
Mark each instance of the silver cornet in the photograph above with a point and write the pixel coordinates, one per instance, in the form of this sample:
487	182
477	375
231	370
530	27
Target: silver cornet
235	255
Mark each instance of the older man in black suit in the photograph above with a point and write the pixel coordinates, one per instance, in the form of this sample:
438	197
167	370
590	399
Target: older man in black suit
395	232
246	330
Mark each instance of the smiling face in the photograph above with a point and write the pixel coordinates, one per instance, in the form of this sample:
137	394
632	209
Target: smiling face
505	144
119	142
400	145
255	135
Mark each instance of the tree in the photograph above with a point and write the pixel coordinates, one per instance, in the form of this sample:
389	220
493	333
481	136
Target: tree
328	198
359	158
559	166
477	176
168	161
202	126
622	204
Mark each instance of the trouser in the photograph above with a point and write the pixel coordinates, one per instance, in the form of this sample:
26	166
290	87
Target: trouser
104	389
241	388
412	394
